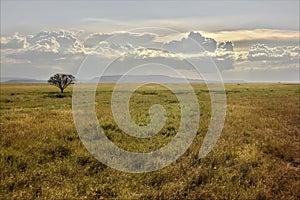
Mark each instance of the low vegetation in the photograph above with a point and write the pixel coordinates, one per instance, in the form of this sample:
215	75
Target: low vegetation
256	157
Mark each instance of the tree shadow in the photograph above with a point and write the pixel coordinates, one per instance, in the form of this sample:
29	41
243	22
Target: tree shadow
57	95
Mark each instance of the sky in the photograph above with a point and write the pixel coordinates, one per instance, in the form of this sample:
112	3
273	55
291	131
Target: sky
246	40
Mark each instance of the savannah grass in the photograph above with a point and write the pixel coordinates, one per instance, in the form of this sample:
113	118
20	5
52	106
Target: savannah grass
256	157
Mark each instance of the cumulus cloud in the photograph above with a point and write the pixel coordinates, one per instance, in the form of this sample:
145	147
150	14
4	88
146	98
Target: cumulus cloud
202	50
95	38
14	42
45	41
46	47
58	50
122	38
203	61
58	41
262	57
227	46
109	50
261	52
244	38
194	43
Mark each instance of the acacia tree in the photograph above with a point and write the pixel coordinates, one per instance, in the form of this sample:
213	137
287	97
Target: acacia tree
61	81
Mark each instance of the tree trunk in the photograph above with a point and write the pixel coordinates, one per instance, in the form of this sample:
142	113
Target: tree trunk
61	90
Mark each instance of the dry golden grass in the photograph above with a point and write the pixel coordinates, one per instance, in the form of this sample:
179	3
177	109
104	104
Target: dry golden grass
256	157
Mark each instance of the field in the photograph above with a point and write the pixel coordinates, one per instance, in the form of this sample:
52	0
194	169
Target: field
256	157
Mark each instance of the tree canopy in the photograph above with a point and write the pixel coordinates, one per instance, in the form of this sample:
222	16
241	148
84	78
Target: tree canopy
61	81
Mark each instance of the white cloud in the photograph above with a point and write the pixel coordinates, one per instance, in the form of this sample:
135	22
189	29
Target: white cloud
194	43
261	52
262	58
58	41
65	50
46	47
123	38
95	38
202	60
226	46
254	35
14	42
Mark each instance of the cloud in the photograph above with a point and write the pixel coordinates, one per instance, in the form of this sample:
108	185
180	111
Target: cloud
46	47
109	50
173	53
261	57
261	52
57	41
65	50
122	38
95	38
244	38
194	43
61	49
203	61
226	46
14	42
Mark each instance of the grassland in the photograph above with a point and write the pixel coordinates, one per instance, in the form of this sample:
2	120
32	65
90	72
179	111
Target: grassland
256	157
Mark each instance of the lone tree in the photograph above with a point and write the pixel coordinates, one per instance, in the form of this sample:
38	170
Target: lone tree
61	81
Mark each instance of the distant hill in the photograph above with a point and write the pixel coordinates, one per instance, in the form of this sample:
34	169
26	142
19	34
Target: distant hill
115	78
141	78
20	80
235	81
151	78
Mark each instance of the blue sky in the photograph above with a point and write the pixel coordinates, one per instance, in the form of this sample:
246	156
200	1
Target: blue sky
265	34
